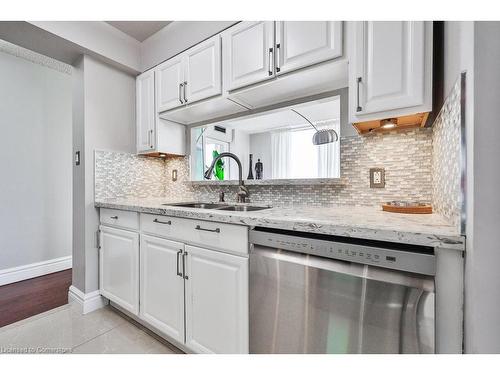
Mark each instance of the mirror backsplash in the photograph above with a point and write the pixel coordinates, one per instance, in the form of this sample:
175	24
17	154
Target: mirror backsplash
277	145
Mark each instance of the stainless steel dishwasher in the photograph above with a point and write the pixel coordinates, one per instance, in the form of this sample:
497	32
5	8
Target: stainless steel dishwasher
324	294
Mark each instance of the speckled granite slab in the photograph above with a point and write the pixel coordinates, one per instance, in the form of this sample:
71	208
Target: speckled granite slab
359	222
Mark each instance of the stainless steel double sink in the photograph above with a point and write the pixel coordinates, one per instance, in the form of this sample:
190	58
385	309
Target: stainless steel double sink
218	206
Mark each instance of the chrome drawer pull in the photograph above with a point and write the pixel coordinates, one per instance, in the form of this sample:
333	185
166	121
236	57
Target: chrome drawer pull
358	108
180	93
185	277
271	62
178	272
278	57
216	230
162	222
114	217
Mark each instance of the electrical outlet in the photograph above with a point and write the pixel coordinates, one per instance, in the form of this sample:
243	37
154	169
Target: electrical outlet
377	177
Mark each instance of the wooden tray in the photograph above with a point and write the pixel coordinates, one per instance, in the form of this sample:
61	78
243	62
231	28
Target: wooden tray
424	209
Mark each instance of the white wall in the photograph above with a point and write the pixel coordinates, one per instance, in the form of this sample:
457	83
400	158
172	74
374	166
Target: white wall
473	47
35	162
105	118
177	37
483	236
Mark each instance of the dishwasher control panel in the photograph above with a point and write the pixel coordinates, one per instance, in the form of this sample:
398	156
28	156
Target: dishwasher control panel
376	256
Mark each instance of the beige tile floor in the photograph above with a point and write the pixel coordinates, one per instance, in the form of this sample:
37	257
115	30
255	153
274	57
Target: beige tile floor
65	330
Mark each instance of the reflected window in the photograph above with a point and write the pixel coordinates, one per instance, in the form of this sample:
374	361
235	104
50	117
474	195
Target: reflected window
294	156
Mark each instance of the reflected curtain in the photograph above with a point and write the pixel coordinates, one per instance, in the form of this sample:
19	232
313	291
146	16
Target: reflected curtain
329	154
281	157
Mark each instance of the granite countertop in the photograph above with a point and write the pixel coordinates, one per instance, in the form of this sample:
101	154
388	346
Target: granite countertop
359	222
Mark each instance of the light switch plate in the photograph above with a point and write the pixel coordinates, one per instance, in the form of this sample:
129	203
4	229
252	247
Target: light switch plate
377	177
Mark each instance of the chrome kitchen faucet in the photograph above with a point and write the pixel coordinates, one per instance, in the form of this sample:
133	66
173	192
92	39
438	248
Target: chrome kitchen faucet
243	192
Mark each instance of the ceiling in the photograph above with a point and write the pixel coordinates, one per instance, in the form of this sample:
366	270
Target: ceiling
139	30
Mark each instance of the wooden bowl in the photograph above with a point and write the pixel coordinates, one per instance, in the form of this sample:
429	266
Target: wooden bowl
410	209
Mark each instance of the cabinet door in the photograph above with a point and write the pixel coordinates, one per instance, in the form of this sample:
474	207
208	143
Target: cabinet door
390	59
203	70
303	43
169	84
216	302
119	267
248	53
162	285
146	114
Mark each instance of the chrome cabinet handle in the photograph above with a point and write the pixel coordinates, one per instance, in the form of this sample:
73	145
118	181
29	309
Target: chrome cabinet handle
180	92
216	230
162	222
178	272
185	85
271	64
151	145
278	54
359	108
185	277
113	217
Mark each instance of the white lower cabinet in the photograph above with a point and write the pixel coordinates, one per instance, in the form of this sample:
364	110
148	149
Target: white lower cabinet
216	301
119	267
162	285
196	296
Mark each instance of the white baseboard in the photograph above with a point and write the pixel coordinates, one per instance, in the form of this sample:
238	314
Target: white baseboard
86	302
15	274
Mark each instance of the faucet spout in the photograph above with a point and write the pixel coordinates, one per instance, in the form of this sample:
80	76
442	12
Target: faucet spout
243	191
209	171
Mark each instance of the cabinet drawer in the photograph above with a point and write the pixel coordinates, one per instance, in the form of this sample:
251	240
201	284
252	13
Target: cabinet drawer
159	225
120	218
225	237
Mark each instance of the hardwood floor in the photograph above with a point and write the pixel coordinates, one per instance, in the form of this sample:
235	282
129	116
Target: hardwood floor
30	297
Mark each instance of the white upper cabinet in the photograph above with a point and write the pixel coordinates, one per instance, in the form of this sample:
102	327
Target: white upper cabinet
162	285
391	70
170	84
145	108
119	267
304	43
203	70
216	302
248	53
191	76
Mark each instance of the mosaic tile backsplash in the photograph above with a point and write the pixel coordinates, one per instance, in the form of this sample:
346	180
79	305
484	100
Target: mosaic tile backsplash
446	158
126	175
405	155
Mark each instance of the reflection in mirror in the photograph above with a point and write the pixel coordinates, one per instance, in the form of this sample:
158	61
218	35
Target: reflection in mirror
272	145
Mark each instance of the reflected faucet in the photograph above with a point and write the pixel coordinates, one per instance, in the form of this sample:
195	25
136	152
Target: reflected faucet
243	192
